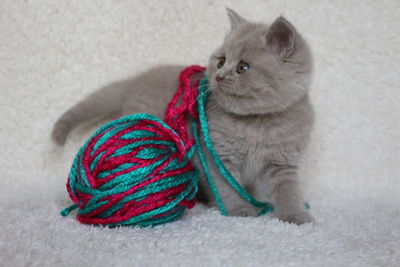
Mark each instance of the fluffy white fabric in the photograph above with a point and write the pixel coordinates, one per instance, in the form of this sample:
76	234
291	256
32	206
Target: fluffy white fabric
52	53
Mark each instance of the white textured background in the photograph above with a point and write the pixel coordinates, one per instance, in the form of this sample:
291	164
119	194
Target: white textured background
52	53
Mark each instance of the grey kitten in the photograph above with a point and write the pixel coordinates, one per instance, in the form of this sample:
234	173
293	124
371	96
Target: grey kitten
259	112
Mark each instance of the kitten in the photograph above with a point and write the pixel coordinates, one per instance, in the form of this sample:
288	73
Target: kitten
259	112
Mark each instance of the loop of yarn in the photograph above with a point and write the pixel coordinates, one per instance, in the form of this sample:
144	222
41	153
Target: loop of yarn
136	170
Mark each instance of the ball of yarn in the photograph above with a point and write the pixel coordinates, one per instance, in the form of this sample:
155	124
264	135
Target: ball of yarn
135	170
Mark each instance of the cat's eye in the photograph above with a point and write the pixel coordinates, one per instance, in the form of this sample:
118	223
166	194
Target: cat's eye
221	62
242	67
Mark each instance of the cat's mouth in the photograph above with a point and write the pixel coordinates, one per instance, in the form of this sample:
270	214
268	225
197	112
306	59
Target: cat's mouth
234	94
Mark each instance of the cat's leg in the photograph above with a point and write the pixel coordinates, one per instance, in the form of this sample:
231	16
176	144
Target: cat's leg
284	188
234	204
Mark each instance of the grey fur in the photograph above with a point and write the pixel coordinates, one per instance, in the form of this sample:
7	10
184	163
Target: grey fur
260	121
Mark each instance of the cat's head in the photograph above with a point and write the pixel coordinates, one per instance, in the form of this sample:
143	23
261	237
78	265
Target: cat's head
260	68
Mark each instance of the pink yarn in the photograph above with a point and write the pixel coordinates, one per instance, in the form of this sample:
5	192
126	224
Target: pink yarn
176	115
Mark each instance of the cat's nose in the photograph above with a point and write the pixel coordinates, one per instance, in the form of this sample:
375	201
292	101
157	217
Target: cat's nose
219	78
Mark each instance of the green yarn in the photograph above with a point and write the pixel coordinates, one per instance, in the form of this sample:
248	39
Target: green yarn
203	94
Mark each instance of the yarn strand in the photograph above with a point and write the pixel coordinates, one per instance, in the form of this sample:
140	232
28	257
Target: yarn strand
265	206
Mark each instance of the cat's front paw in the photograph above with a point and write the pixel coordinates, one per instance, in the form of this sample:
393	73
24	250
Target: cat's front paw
297	217
243	212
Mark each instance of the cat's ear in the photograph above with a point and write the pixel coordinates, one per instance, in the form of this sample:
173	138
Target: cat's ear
234	18
281	37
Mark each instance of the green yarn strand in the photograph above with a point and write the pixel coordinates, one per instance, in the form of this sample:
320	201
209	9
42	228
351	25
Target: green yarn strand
207	173
265	206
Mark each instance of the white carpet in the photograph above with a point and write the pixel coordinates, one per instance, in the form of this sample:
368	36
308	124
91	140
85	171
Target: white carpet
54	52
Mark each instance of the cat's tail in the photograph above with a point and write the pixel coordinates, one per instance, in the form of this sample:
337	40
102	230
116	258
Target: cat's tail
106	101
